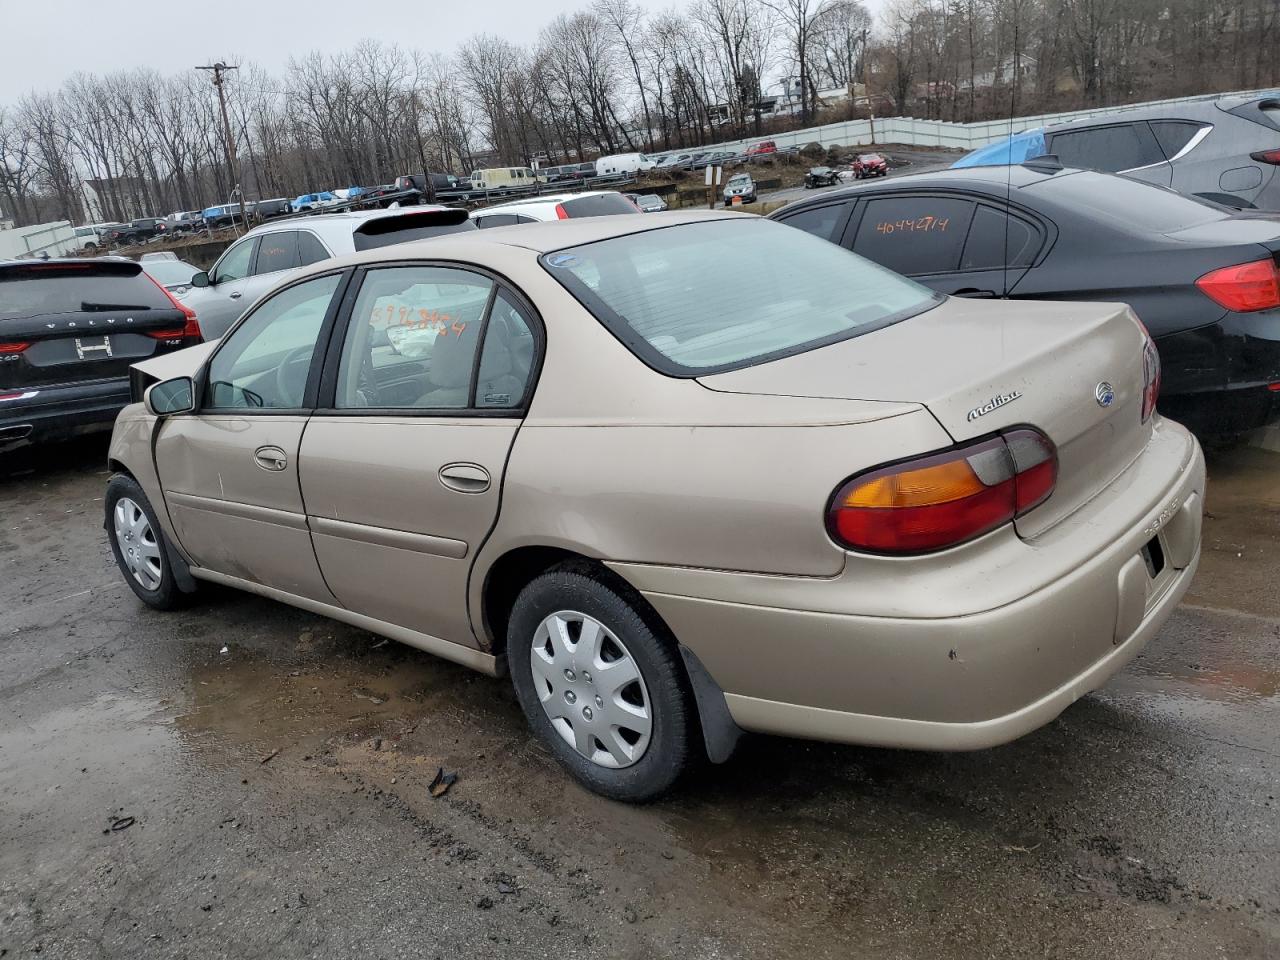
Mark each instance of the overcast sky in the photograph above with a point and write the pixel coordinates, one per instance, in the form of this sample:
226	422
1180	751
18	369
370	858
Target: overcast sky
42	42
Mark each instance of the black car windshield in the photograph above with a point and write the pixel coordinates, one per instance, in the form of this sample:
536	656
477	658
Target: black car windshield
705	297
1140	206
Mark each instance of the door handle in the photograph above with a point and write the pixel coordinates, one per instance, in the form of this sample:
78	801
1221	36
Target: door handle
465	477
236	295
974	293
270	458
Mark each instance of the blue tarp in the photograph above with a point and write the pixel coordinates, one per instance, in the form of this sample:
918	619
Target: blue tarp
1015	149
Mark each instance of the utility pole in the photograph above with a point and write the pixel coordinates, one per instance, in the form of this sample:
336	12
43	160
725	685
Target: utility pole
866	86
218	69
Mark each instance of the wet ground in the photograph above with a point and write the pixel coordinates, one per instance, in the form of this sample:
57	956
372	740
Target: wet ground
162	798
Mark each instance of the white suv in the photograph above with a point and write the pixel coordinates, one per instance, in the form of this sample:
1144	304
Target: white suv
257	261
554	206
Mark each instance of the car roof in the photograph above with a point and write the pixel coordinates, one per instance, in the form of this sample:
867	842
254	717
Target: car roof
542	198
1206	108
351	217
538	237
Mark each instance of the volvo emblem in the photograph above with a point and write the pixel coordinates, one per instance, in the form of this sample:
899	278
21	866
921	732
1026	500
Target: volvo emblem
1105	394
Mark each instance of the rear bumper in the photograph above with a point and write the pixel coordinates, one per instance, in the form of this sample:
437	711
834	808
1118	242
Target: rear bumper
807	657
40	414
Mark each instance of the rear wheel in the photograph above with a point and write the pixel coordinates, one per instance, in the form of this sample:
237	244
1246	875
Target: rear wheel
139	546
599	686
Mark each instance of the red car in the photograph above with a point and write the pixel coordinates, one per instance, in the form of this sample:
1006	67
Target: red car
762	148
870	165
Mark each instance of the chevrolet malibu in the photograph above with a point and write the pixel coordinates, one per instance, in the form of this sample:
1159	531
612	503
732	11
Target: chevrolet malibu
824	501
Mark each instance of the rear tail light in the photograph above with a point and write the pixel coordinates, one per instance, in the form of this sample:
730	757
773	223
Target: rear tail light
1150	373
945	499
1266	156
190	330
13	347
561	212
1244	287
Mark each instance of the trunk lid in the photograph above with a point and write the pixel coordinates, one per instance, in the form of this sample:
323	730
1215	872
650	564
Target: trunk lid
69	321
983	367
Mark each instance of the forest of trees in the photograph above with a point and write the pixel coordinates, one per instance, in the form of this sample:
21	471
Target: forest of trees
610	77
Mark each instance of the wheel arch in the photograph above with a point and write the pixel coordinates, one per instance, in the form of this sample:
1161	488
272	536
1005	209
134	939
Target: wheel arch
511	572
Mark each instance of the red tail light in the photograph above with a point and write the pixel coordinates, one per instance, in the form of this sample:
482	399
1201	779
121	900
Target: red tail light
13	347
188	331
945	499
1266	156
561	212
1244	287
1150	373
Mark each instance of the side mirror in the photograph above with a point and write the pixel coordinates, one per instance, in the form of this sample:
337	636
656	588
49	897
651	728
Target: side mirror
200	279
171	396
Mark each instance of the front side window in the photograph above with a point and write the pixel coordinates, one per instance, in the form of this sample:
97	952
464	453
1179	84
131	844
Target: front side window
412	339
704	297
235	263
825	221
264	362
915	236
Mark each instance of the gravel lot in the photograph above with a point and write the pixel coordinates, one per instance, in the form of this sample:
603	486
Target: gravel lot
276	805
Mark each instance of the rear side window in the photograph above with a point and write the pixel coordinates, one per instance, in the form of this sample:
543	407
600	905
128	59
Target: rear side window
826	222
1110	149
41	290
1173	135
277	251
914	236
663	293
600	205
310	250
992	234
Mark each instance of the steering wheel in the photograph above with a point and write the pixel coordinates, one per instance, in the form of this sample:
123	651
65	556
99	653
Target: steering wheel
286	373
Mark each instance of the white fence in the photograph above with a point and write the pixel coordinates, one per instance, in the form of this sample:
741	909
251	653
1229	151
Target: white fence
55	239
940	133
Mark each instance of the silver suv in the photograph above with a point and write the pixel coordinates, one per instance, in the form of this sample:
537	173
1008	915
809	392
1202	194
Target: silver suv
257	261
1225	149
740	185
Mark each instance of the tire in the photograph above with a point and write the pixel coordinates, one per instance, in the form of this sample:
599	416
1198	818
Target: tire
575	596
136	528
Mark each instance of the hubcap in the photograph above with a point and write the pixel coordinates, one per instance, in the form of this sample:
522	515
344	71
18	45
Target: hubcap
577	658
137	542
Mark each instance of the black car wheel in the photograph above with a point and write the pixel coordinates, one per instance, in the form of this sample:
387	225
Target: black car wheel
600	684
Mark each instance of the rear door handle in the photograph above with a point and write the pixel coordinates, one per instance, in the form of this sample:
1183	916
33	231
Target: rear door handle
236	295
271	458
975	294
465	477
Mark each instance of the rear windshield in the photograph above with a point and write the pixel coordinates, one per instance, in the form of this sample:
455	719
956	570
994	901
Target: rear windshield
399	230
705	297
1121	200
46	289
600	205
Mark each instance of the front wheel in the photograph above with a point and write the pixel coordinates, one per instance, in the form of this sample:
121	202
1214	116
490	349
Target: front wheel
138	543
599	686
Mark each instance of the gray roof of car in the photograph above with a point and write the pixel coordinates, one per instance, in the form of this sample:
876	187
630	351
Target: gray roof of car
1207	108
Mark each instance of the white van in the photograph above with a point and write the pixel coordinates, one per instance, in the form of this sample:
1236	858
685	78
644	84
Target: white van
623	163
497	178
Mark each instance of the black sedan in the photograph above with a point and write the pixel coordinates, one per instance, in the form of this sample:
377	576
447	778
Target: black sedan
1205	280
821	177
